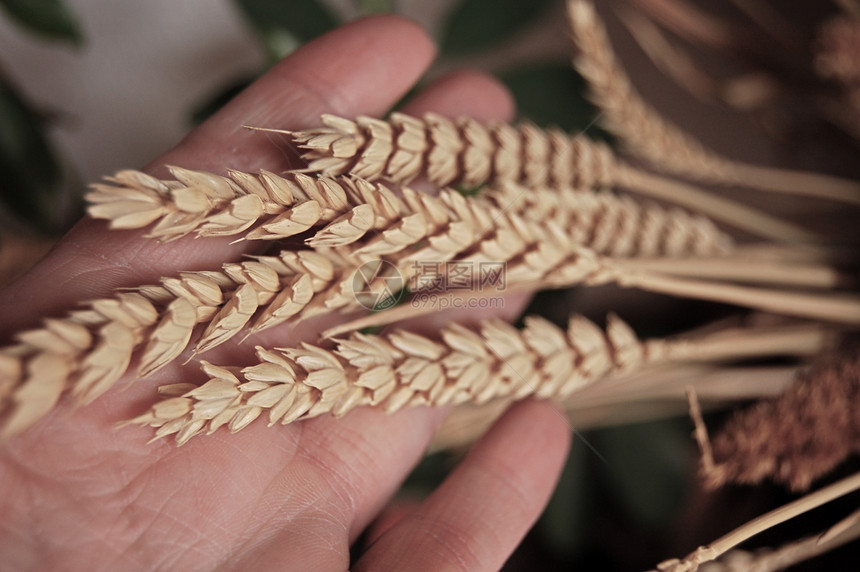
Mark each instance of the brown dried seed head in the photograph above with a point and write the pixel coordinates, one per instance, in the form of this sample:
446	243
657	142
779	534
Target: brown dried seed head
798	437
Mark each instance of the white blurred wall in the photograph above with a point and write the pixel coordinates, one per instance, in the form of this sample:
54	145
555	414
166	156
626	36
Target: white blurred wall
125	95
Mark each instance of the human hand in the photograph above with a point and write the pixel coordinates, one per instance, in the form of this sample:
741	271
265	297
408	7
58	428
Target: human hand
78	493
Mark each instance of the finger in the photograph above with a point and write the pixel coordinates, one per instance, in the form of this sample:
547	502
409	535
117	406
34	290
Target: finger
454	95
364	67
388	518
482	511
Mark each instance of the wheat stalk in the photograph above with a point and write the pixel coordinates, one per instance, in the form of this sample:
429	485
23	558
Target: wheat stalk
714	550
648	135
466	152
276	206
783	557
551	260
399	369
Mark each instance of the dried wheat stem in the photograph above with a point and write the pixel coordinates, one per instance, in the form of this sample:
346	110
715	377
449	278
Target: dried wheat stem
553	261
398	369
469	153
741	269
648	135
651	393
783	557
782	514
844	309
275	206
726	211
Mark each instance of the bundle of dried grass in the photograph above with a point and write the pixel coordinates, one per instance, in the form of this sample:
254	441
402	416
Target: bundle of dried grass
645	133
256	295
491	362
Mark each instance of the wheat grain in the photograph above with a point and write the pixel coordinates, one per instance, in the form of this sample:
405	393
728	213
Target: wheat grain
648	135
468	153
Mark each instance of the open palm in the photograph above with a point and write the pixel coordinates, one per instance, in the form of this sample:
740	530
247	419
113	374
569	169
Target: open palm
76	492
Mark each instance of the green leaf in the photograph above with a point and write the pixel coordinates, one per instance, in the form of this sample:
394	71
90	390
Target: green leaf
646	467
480	24
552	94
566	524
30	173
208	107
49	18
367	7
285	24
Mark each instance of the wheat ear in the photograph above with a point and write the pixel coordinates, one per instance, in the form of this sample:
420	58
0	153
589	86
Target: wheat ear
604	222
92	348
658	390
648	135
275	206
399	369
466	152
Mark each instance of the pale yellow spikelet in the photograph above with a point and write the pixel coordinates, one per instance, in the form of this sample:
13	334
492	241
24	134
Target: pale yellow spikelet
345	229
287	303
42	387
107	361
170	337
230	319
